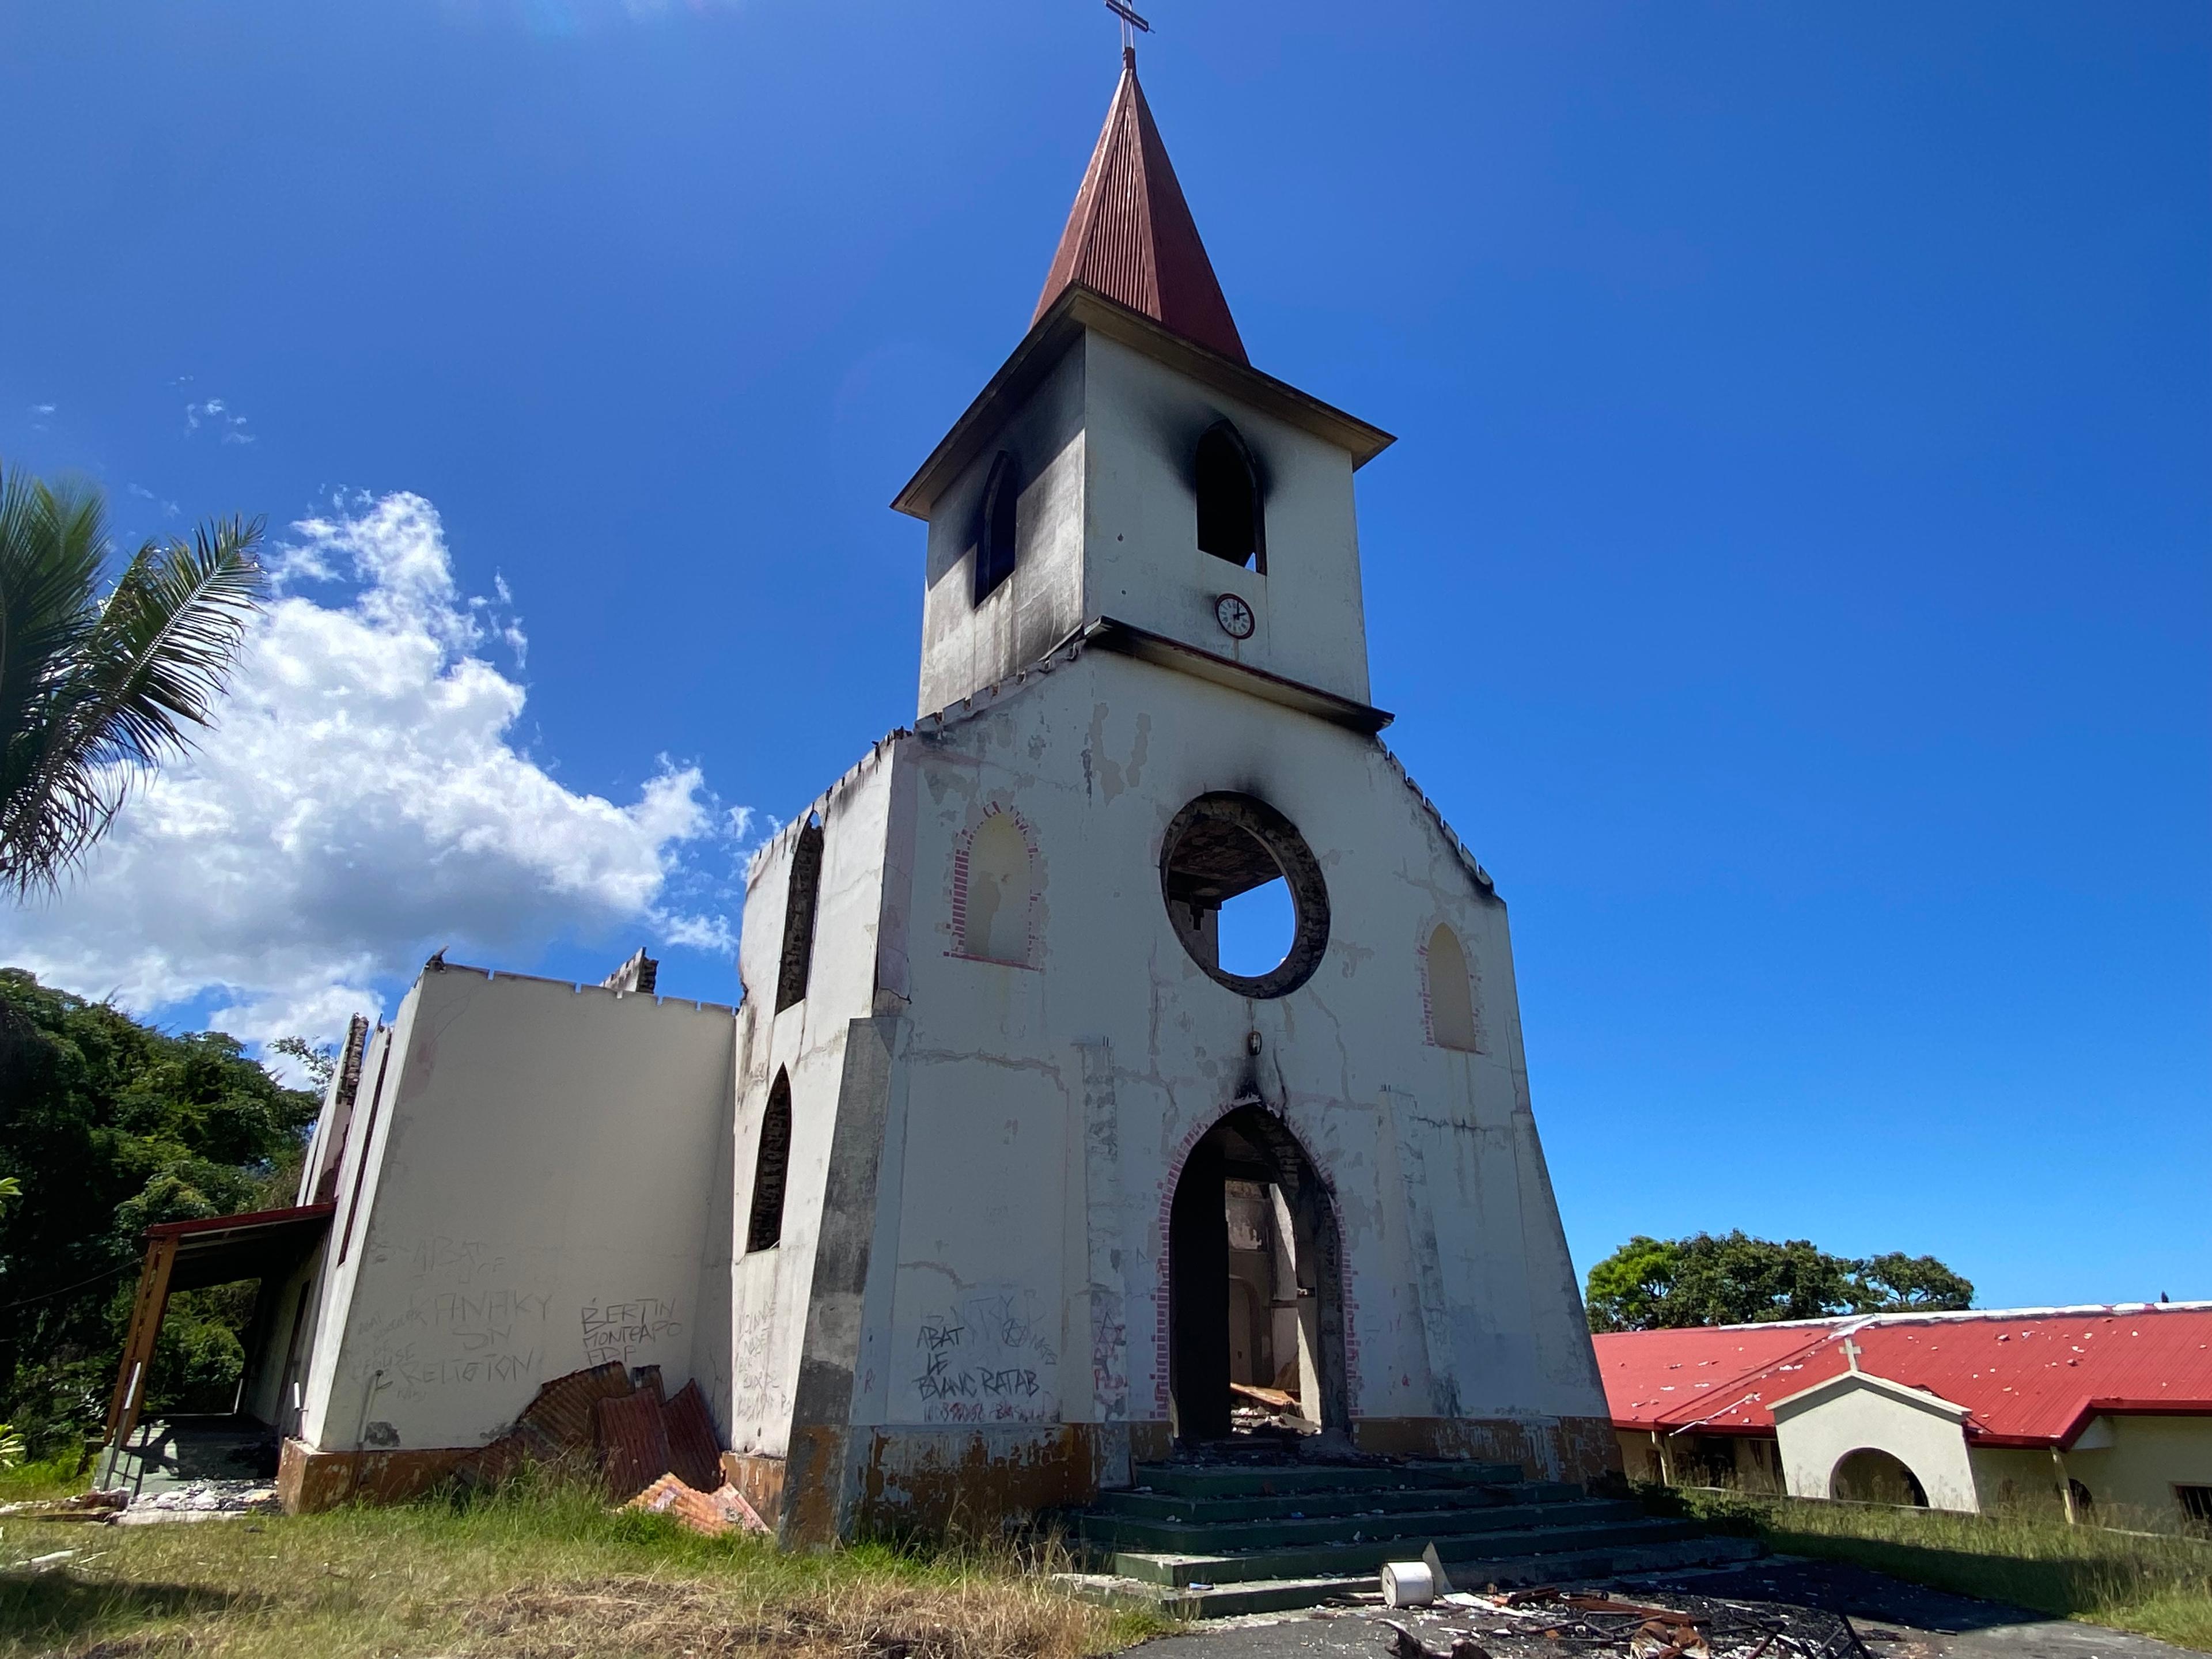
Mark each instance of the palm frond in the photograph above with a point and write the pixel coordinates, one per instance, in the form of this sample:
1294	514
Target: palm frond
167	635
93	693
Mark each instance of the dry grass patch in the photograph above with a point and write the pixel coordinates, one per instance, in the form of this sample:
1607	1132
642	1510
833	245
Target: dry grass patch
542	1574
854	1618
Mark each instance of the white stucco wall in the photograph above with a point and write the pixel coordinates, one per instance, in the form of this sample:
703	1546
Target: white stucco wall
807	1042
1041	1110
1107	525
964	645
1819	1429
1142	425
538	1198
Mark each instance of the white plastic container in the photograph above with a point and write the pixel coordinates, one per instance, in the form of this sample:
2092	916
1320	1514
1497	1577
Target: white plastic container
1408	1584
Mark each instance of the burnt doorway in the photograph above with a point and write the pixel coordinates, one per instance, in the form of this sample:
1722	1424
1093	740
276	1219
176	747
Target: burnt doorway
1256	1321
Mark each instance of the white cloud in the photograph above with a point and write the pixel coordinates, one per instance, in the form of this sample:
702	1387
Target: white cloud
42	417
362	803
215	412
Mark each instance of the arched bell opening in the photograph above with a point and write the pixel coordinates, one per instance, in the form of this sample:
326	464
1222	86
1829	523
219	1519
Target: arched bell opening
1256	1311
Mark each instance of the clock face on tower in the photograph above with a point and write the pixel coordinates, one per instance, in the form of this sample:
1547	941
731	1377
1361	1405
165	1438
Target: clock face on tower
1234	616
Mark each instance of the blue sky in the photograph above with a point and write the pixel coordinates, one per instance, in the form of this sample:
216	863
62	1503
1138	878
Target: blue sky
1791	577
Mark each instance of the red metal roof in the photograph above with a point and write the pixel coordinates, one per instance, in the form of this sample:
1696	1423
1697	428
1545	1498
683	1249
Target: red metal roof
2027	1378
1130	237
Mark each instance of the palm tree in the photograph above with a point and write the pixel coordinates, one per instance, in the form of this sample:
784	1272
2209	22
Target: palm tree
95	692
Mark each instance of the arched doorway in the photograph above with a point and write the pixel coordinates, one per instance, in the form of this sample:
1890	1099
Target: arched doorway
1869	1476
1254	1281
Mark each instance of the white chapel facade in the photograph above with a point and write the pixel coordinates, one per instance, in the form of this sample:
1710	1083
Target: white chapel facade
997	1179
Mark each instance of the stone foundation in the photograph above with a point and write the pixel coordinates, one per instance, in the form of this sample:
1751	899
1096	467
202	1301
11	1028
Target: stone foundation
308	1480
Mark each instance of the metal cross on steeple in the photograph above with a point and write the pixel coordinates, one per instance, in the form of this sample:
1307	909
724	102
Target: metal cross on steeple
1131	26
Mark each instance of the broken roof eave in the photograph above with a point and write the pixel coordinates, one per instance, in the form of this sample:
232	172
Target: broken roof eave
1079	309
1130	640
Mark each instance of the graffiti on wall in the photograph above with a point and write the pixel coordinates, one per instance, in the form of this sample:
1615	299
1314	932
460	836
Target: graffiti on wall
988	1358
463	1324
614	1330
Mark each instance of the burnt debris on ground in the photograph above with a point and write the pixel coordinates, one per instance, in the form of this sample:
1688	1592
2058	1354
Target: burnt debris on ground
1549	1620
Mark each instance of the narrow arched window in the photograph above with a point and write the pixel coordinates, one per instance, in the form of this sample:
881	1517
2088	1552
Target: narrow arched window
771	1169
1452	994
798	916
995	530
995	921
1229	523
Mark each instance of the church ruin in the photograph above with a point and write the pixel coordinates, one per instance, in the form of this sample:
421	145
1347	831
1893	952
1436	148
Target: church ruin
1007	1175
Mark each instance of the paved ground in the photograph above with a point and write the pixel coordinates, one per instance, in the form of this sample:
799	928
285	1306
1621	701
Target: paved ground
1897	1620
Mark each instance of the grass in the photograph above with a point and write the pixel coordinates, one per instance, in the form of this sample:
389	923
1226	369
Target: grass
56	1477
2155	1583
534	1572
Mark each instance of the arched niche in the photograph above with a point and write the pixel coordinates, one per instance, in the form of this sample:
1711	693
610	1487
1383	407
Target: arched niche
996	889
1453	1019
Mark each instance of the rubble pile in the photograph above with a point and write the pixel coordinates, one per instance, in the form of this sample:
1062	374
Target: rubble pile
1550	1621
202	1500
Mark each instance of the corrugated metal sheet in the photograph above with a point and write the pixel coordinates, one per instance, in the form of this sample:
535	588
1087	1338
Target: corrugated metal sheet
632	1442
1131	236
2027	1378
561	1412
1660	1379
695	1450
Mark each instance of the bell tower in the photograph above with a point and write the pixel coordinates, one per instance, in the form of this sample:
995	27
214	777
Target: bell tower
1129	476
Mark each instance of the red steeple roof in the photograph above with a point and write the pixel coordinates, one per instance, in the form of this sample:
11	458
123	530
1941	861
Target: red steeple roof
1131	236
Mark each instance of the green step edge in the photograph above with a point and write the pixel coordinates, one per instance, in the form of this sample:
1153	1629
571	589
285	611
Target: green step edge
1163	1537
1287	1595
1368	1555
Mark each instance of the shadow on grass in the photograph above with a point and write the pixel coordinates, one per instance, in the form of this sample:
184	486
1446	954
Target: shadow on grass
57	1607
2061	1588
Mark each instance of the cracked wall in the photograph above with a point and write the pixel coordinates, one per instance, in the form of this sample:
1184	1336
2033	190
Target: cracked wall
1016	1254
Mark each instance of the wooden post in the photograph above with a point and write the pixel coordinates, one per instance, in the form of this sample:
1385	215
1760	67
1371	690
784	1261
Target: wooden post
2065	1487
146	1314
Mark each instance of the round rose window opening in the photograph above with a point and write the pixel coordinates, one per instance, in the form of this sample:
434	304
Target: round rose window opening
1244	894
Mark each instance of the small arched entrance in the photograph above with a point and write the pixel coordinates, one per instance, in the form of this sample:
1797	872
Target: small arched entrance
1872	1476
1254	1282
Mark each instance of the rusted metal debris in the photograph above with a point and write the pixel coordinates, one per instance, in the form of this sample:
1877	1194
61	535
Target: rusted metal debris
615	1422
1404	1645
695	1450
633	1441
1694	1628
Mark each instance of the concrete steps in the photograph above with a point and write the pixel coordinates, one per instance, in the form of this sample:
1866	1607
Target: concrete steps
1208	1540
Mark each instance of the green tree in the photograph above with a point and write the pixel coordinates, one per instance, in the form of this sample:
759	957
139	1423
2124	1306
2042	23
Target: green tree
110	1125
319	1060
1628	1291
1898	1283
1733	1279
95	691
